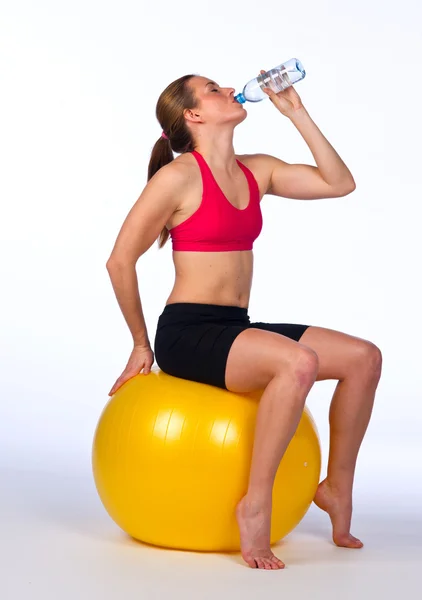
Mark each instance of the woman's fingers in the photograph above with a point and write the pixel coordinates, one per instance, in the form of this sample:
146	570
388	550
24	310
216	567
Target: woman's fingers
141	358
125	376
128	374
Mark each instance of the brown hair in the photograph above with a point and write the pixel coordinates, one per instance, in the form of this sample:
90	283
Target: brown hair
169	112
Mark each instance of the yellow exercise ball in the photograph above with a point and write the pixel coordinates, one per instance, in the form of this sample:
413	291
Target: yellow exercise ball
171	461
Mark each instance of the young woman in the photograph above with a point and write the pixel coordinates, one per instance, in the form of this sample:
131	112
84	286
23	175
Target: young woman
208	201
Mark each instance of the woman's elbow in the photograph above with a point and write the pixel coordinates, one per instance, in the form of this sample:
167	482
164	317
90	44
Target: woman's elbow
115	262
348	187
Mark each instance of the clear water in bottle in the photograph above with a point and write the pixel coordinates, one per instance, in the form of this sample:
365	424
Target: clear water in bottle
278	79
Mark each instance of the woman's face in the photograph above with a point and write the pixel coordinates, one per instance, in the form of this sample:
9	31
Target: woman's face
216	105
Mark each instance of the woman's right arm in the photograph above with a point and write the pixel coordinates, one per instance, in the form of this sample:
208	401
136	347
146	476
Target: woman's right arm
159	200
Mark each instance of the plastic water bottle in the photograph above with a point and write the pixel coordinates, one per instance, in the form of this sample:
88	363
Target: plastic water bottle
278	79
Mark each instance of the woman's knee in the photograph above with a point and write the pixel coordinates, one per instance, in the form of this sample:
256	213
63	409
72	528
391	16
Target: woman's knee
304	366
369	359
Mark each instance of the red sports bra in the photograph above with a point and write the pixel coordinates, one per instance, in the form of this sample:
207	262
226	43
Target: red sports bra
217	225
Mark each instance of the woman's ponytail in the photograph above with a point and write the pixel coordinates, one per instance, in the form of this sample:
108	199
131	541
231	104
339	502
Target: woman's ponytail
172	103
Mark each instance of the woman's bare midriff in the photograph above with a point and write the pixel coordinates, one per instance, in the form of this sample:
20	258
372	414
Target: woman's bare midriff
223	278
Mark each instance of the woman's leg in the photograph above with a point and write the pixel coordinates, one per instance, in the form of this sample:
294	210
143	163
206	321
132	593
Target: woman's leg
357	364
286	371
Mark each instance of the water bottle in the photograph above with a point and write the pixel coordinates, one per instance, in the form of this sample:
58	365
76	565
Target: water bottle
278	79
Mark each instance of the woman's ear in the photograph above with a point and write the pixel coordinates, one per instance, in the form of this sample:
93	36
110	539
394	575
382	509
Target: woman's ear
192	116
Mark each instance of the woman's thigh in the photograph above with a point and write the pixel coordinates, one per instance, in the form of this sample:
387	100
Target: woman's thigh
341	354
260	352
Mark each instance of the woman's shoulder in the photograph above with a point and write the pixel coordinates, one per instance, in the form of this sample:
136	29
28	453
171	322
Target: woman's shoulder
183	165
259	160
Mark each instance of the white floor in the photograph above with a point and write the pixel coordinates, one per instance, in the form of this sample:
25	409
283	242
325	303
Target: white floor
57	542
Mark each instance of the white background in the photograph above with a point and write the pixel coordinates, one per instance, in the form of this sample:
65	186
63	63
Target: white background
79	82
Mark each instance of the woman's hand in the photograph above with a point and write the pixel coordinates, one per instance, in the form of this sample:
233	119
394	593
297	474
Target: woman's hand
287	101
142	357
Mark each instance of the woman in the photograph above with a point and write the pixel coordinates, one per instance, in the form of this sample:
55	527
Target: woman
208	201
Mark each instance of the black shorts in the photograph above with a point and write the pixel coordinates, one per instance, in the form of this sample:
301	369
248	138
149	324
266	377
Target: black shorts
193	340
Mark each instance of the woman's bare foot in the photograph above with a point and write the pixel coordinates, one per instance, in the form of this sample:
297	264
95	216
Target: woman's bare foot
254	525
339	508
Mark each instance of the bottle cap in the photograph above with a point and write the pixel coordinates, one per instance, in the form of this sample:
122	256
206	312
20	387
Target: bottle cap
240	98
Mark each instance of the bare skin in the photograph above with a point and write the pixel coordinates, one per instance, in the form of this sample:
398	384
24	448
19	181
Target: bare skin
356	363
279	412
254	525
339	508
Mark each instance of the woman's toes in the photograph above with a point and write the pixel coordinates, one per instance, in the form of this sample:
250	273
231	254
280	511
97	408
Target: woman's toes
267	565
348	541
356	543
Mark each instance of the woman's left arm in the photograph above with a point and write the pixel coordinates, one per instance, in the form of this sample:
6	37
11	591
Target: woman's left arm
329	179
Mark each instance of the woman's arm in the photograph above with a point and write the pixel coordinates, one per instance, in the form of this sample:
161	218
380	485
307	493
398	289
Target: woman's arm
149	215
125	285
330	166
330	178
